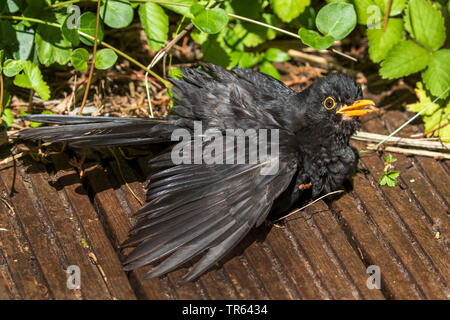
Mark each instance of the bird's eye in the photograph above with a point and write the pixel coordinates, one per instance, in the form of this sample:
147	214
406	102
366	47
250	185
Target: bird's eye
329	103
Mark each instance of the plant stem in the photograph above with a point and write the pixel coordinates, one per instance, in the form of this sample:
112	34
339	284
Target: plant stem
91	71
386	17
55	5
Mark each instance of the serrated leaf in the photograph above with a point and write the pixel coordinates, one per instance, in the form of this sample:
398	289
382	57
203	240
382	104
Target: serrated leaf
79	59
389	158
427	24
288	10
155	23
405	58
314	39
368	12
383	180
116	13
336	19
12	67
87	25
381	42
105	58
393	174
436	114
31	78
276	55
268	68
437	76
210	21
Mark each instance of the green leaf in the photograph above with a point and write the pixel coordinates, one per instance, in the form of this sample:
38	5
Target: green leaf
213	52
249	59
393	174
383	180
8	40
308	18
427	24
314	39
437	75
405	58
436	114
51	46
288	10
276	55
269	69
182	10
7	118
389	158
2	55
13	6
367	12
397	7
155	23
87	25
12	67
79	59
381	42
336	19
105	58
70	34
116	13
31	78
175	73
211	21
25	41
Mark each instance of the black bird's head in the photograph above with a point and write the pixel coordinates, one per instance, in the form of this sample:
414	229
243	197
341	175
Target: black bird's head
334	105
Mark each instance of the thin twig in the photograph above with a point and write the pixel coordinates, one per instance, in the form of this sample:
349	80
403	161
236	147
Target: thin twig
417	152
398	141
309	204
123	178
386	17
91	71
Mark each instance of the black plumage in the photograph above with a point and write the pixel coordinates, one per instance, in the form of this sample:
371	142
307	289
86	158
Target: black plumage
209	208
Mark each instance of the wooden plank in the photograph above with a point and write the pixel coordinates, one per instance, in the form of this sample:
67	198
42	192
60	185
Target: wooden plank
429	264
344	256
118	223
24	278
372	245
32	217
68	232
93	232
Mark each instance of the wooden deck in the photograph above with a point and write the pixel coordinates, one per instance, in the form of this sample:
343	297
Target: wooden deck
52	220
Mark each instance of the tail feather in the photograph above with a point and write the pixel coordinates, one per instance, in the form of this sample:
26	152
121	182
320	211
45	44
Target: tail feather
81	131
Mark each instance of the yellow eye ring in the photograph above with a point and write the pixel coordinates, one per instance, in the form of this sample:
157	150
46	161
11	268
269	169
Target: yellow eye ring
329	103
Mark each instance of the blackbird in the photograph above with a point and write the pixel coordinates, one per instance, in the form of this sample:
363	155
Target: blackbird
207	208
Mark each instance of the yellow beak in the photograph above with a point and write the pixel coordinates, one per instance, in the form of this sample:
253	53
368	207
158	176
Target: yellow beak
357	108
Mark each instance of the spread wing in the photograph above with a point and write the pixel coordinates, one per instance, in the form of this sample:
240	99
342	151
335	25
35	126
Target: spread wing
202	208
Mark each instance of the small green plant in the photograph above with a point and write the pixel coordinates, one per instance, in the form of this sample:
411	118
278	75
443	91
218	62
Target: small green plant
389	176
